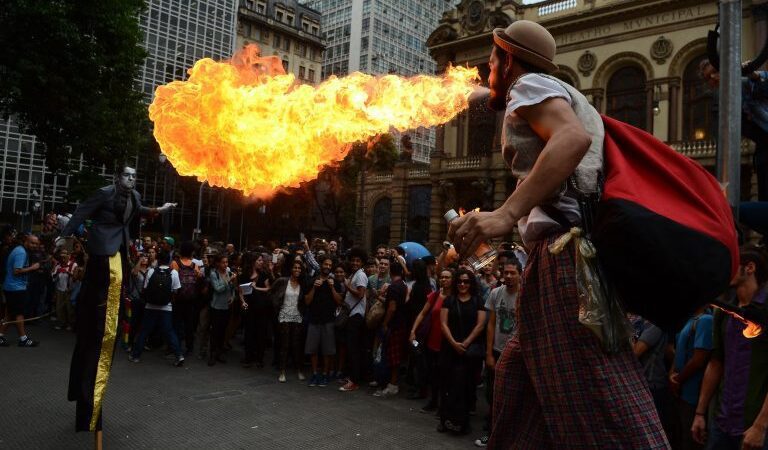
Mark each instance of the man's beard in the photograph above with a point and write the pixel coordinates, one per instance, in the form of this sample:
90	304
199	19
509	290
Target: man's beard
496	101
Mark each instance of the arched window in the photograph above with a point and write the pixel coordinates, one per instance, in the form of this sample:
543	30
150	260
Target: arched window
382	216
626	98
419	201
698	104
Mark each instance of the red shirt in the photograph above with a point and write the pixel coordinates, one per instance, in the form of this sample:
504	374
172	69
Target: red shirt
435	338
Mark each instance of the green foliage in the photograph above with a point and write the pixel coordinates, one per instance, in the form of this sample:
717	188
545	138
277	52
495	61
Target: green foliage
67	70
84	184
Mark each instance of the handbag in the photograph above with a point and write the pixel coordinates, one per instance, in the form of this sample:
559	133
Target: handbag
342	314
375	315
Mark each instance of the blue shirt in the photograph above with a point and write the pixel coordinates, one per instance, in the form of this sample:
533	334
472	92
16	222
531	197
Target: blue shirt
686	344
17	259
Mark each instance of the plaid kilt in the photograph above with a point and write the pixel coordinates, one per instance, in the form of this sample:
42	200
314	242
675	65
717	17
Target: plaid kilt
555	387
395	349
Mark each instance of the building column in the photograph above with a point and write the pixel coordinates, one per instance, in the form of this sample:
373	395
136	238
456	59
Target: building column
437	206
650	87
674	110
760	19
499	190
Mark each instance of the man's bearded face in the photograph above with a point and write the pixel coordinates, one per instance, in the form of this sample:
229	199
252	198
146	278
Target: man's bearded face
497	82
127	179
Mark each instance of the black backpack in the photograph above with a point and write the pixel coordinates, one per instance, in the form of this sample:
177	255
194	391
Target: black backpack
158	291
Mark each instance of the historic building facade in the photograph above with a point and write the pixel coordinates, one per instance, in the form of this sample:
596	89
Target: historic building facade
636	60
287	29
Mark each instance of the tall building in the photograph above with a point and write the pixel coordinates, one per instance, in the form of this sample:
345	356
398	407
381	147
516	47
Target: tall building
379	37
176	34
284	28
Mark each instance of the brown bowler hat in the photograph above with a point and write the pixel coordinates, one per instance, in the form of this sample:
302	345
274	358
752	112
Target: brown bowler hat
528	41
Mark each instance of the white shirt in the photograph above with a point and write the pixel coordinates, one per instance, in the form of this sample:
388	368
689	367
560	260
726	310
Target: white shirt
290	310
358	279
533	89
175	285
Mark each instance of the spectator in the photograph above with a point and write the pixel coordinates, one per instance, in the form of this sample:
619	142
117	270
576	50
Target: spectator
377	283
167	245
258	312
355	301
333	250
371	267
223	286
152	257
15	285
289	293
185	307
416	299
229	251
381	251
649	345
394	329
322	300
62	278
502	323
737	370
161	285
462	319
427	329
692	352
136	290
339	285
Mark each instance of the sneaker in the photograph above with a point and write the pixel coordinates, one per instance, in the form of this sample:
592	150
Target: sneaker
349	387
179	361
341	378
390	391
482	442
314	380
3	341
28	343
133	359
301	377
281	378
322	381
373	383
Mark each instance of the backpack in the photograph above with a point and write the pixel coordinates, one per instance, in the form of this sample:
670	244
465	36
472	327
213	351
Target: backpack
663	229
188	279
158	291
375	315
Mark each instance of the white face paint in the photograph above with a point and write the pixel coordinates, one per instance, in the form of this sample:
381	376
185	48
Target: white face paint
127	179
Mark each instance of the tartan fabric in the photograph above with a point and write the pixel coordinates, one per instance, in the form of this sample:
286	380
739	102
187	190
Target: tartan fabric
396	346
555	387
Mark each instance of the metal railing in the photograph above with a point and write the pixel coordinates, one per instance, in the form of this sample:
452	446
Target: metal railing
556	7
470	162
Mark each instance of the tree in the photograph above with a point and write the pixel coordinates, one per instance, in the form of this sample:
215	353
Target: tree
67	70
335	190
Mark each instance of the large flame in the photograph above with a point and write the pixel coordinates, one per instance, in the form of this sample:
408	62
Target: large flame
246	124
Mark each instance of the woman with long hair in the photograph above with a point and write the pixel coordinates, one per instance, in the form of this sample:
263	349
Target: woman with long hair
223	285
288	293
462	319
427	331
136	284
417	298
259	310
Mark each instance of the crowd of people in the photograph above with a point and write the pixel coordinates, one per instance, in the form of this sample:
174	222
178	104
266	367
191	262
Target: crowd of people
432	327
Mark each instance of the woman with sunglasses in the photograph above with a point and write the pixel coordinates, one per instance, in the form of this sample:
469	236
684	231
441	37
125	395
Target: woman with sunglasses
427	330
462	319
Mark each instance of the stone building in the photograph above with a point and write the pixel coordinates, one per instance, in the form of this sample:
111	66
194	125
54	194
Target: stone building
636	60
287	29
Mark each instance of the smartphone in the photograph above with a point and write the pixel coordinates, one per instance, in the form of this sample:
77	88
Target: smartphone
274	258
301	237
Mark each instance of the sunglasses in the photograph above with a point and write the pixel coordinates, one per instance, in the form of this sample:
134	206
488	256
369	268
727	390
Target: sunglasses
463	281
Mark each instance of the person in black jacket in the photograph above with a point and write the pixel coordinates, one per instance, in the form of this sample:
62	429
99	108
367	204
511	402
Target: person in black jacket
288	294
112	209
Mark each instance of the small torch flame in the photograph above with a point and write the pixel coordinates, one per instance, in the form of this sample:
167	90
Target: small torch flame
246	124
752	330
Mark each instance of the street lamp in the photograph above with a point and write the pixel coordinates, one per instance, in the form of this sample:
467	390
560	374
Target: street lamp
166	168
196	234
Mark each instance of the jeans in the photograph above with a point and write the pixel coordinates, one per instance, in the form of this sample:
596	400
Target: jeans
184	323
355	346
218	319
162	320
720	440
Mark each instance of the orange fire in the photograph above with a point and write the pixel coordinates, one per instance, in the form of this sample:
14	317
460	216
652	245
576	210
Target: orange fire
246	124
752	330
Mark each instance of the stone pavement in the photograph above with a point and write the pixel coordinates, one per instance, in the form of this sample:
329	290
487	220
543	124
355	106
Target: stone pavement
155	405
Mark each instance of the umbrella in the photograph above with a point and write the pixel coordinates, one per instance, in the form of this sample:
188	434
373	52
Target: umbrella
414	251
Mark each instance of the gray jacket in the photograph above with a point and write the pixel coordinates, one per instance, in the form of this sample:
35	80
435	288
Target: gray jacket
110	229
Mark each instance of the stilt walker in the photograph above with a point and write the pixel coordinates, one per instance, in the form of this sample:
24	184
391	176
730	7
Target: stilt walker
112	209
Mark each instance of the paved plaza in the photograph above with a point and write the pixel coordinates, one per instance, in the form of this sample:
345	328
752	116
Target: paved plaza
154	405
